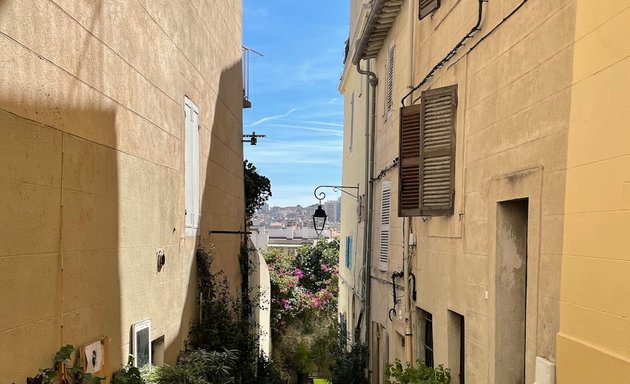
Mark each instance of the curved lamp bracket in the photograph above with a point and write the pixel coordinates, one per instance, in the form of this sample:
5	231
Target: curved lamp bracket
336	188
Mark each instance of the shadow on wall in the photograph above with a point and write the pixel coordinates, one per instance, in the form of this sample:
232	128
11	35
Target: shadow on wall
62	243
58	233
222	202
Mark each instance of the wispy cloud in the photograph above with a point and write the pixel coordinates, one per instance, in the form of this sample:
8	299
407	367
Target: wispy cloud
315	122
335	132
268	118
294	93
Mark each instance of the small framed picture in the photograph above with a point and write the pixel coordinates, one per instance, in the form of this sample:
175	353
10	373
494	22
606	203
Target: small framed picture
94	357
141	343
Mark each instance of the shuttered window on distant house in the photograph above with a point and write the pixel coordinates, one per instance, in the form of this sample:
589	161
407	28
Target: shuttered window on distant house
389	86
428	6
427	154
386	201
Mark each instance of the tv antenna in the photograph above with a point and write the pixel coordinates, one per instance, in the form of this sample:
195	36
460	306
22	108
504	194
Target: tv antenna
253	138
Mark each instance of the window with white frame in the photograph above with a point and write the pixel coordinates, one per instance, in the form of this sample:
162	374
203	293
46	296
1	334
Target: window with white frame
191	167
141	343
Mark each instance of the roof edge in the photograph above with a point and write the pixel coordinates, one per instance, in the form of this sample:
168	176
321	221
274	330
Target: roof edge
359	53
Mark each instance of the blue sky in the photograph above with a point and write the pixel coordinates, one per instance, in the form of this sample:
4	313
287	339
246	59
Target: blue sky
293	90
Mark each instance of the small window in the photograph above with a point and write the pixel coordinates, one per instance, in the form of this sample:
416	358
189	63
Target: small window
427	7
389	86
425	337
157	352
348	252
141	343
386	200
191	167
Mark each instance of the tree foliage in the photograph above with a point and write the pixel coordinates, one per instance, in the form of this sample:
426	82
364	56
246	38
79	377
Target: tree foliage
198	367
226	322
304	290
418	373
257	189
305	285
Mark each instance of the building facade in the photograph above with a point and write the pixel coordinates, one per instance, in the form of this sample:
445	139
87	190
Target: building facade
121	151
483	115
593	340
353	220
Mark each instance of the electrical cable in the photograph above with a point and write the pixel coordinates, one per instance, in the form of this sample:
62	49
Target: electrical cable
450	55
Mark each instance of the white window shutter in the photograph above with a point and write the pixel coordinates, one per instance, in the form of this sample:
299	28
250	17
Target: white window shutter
386	200
191	166
187	166
195	169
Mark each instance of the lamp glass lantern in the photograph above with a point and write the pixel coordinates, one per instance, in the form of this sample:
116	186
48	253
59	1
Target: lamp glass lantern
319	219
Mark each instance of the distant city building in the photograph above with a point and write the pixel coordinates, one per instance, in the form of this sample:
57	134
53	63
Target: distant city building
332	208
289	228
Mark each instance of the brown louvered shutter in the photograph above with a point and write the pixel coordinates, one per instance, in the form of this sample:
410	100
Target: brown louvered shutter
437	155
389	91
409	155
428	6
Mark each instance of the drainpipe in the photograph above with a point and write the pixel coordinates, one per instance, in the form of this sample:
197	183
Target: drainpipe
369	171
407	220
406	299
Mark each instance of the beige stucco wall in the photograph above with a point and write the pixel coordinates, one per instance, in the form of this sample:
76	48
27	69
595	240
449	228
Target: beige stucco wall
91	116
513	114
385	151
511	143
594	330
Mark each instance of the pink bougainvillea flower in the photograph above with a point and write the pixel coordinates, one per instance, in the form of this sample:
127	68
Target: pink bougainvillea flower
298	272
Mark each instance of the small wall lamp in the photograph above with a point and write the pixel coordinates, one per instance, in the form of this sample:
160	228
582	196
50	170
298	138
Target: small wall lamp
319	217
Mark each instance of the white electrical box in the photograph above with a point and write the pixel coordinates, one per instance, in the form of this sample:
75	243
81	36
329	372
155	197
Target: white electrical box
545	371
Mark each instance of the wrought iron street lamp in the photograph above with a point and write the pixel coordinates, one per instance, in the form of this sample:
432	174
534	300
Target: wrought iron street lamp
319	217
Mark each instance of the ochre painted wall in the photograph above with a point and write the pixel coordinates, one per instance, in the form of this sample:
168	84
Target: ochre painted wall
594	338
92	169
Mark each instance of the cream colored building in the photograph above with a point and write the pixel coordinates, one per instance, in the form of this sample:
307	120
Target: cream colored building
593	343
121	126
508	99
352	272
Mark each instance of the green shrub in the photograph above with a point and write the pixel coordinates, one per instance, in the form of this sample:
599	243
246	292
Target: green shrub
62	372
226	321
268	372
197	367
128	374
416	374
349	366
337	361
